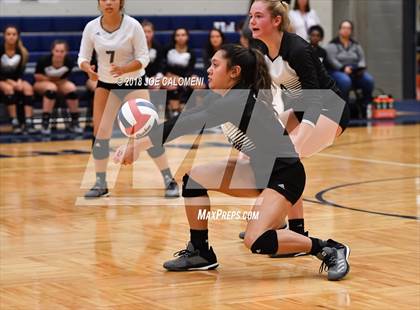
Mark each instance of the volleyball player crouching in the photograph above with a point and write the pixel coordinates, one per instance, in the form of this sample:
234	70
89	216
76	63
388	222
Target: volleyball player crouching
274	173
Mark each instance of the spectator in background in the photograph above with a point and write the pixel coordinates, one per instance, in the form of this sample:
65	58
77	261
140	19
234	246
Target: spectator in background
348	65
14	57
51	78
156	54
302	17
316	35
215	41
179	62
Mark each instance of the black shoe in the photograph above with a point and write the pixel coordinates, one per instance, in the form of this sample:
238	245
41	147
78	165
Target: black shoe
97	191
335	260
190	259
172	190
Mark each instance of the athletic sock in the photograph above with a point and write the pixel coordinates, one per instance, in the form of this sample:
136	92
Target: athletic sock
297	225
200	240
167	176
317	245
101	178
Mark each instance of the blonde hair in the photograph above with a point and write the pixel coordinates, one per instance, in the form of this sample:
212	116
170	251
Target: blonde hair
278	8
19	44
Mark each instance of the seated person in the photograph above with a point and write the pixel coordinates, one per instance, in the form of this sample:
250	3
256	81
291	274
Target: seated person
51	78
14	57
348	66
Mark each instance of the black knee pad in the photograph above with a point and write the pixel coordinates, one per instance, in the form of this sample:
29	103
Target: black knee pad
50	94
100	149
156	151
27	100
191	188
267	243
72	95
9	99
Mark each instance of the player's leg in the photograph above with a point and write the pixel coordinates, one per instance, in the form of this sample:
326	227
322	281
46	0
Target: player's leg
158	154
263	237
11	101
105	105
28	96
48	91
68	89
233	178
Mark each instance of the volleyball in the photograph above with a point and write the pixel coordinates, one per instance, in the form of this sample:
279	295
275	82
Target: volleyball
137	117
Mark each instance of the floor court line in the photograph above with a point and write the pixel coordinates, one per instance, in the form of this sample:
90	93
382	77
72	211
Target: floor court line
373	161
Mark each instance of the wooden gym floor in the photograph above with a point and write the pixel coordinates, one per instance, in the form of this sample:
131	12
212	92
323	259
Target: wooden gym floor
58	251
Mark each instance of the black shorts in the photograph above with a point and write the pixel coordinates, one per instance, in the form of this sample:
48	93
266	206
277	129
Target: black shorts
287	181
129	84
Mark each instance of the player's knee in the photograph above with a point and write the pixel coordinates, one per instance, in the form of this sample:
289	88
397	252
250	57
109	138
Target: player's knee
100	149
50	94
156	151
71	96
267	243
9	99
191	188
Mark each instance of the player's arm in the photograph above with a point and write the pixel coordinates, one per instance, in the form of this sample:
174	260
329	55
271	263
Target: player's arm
85	54
39	72
303	63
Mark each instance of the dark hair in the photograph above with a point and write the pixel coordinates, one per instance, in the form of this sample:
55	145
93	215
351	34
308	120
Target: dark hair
316	28
174	34
347	21
145	23
209	48
296	6
56	42
19	43
254	70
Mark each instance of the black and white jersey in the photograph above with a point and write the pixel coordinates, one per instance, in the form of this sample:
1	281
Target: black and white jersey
250	126
11	67
297	68
119	47
44	66
156	55
179	63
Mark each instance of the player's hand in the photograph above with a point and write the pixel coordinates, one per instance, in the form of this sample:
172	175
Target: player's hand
348	70
116	71
92	74
126	154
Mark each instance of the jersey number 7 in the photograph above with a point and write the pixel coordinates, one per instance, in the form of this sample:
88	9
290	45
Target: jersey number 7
111	58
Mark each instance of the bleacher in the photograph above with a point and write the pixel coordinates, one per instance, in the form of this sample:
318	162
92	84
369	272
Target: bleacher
38	33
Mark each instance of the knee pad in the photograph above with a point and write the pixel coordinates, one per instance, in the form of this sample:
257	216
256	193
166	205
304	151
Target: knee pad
156	151
267	243
72	95
27	100
100	149
191	188
9	99
50	94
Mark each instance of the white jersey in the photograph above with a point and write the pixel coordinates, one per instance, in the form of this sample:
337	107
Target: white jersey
119	47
